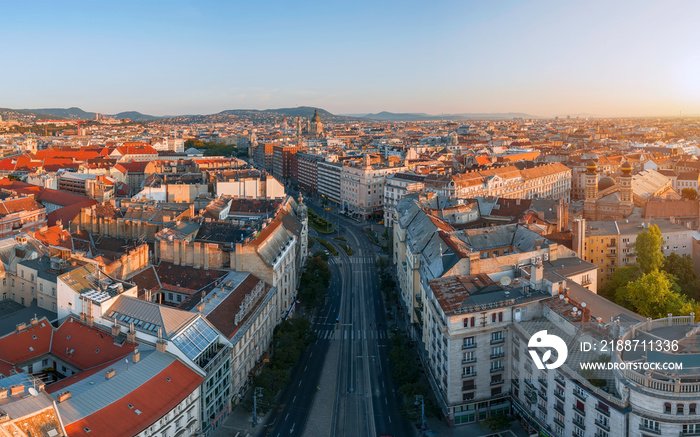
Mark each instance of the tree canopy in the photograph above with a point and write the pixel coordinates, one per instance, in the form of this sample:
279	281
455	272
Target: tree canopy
689	193
656	285
648	249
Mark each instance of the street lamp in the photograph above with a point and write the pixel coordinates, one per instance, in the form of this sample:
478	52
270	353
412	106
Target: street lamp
420	402
257	393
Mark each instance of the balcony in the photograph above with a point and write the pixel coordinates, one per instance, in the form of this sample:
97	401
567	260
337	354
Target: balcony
468	360
576	409
689	434
468	375
542	394
559	409
530	384
559	395
559	422
497	340
647	429
579	423
542	408
498	369
602	411
605	426
543	382
468	345
561	381
580	395
500	381
611	255
498	355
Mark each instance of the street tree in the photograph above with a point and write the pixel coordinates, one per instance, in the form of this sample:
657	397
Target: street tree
648	249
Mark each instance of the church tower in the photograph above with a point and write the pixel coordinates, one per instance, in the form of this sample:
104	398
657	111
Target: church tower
591	178
316	126
626	184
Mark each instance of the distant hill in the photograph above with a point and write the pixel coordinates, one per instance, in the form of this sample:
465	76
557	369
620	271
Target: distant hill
64	113
74	113
135	116
391	116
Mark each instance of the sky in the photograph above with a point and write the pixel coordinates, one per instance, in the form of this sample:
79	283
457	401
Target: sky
545	58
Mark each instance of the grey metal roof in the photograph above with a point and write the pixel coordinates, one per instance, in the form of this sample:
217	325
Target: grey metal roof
96	392
170	319
23	404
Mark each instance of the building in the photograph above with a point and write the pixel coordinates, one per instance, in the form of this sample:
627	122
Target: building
396	186
20	214
316	125
282	156
307	171
550	181
610	244
329	176
362	187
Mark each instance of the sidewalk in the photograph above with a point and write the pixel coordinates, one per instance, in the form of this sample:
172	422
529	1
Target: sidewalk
441	429
240	423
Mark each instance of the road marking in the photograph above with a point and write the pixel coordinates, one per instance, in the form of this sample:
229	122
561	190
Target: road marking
299	384
386	402
345	336
286	417
305	367
389	419
295	398
291	431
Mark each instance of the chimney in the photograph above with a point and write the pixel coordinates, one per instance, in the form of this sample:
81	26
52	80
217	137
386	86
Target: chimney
161	345
137	356
16	389
109	374
3	393
64	396
200	306
34	321
21	326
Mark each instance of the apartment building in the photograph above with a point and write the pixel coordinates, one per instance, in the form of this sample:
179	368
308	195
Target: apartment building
20	214
610	245
329	176
552	181
396	187
282	156
362	187
307	171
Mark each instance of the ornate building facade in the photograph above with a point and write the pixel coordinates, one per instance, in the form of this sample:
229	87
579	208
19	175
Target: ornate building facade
606	199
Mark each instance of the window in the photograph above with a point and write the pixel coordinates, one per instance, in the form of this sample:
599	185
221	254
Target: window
468	371
691	429
691	409
496	351
469	322
680	409
650	424
667	408
469	343
497	337
469	357
496	391
468	385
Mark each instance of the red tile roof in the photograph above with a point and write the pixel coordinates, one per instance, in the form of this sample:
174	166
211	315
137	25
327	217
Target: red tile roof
55	236
91	346
17	347
154	398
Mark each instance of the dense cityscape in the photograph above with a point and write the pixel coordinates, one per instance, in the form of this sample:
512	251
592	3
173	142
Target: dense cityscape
349	219
214	260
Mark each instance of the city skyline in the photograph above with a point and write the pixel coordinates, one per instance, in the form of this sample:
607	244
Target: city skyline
543	59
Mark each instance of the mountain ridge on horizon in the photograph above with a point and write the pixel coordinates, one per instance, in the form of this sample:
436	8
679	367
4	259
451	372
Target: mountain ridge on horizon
76	113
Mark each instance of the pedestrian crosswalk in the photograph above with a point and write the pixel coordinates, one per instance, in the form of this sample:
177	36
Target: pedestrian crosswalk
361	260
351	334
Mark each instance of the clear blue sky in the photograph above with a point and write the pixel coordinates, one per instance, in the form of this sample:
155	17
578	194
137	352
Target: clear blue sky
179	57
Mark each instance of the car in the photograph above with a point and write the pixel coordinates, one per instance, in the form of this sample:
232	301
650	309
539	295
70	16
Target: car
327	252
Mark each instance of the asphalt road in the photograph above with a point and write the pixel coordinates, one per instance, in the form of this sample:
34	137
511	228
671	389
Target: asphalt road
366	402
